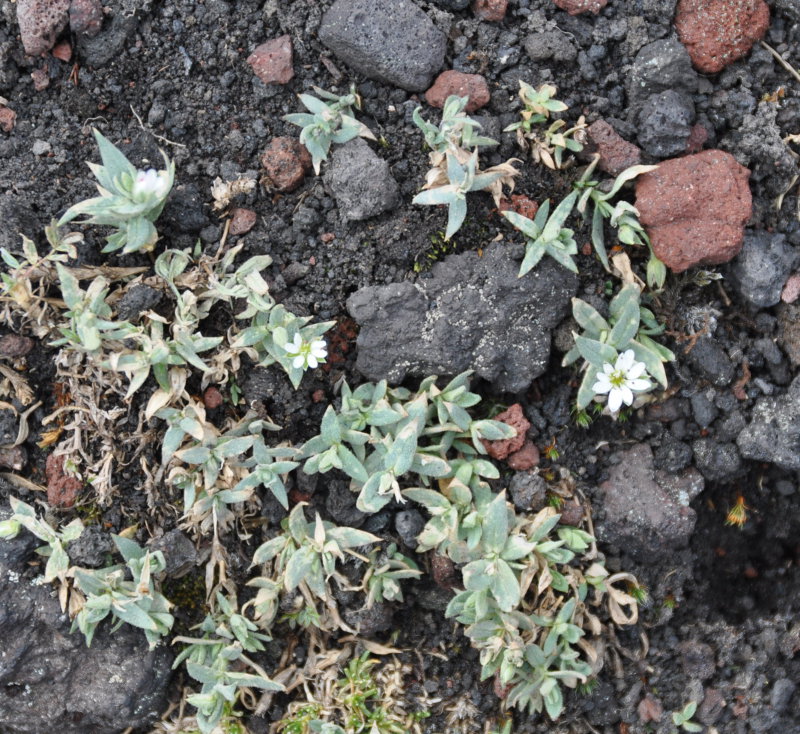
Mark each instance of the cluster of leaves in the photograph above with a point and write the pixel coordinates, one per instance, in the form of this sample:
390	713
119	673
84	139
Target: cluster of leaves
135	600
455	171
381	433
130	200
358	704
546	146
630	326
525	602
215	660
328	122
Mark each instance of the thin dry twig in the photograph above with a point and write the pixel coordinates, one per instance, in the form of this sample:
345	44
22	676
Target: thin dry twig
783	62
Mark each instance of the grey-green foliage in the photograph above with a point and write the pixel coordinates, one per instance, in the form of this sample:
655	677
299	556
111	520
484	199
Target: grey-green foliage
328	122
130	200
503	555
538	104
215	660
683	718
545	234
379	435
456	129
24	516
622	216
127	592
90	317
462	179
629	326
387	567
307	552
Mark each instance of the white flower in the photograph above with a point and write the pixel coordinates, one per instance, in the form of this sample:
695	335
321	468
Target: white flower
621	380
306	354
150	183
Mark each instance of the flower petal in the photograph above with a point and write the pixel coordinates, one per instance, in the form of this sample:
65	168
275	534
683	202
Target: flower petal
312	361
627	395
635	371
638	385
614	400
601	388
625	360
299	362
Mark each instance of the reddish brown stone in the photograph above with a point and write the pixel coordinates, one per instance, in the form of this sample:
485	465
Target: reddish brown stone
575	7
286	162
717	32
462	85
63	51
616	153
8	118
694	208
318	396
40	22
327	237
86	17
40	79
571	513
61	488
443	571
697	138
272	61
526	458
791	291
520	204
515	418
242	221
212	398
14	345
492	10
650	709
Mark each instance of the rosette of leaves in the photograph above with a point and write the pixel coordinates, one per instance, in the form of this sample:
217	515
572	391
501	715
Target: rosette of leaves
386	569
461	179
537	104
306	553
456	129
269	334
88	313
622	216
130	200
24	516
545	234
629	326
382	435
216	659
134	600
327	122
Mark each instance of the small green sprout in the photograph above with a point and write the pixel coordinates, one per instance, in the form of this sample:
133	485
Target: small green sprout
537	106
456	130
130	199
328	122
683	718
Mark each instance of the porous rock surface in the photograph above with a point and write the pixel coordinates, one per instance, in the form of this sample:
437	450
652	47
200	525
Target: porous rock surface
616	153
40	22
774	432
361	182
658	67
761	269
272	61
575	7
474	313
647	511
50	681
391	42
452	82
694	208
717	32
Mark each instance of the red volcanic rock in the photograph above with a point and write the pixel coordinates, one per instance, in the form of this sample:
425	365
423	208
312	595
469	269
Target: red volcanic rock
694	209
520	204
61	487
272	61
40	22
86	17
717	32
463	85
286	162
524	459
242	221
616	153
575	7
515	418
492	10
8	118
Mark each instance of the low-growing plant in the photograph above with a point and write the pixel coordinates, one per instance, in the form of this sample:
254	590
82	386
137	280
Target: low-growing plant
605	346
24	516
135	600
546	146
215	661
382	434
386	568
130	200
622	216
545	234
683	718
328	122
455	170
